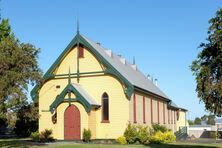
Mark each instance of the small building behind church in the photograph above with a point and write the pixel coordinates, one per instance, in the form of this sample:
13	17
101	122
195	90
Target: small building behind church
88	86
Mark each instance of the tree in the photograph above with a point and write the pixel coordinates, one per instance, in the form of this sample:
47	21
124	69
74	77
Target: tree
27	120
207	68
197	121
209	119
204	118
190	122
18	68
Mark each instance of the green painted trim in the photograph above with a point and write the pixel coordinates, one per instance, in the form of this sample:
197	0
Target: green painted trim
81	73
34	93
151	94
79	98
59	59
48	75
176	108
110	69
129	91
78	60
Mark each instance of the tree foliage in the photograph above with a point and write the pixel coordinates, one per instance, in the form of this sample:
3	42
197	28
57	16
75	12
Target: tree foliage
209	119
207	68
190	122
27	120
18	68
197	121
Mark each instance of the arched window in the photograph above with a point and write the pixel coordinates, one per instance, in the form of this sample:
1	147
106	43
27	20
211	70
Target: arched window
105	108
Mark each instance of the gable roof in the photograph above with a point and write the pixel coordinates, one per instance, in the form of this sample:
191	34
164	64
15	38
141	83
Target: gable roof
135	77
125	71
173	105
81	96
85	95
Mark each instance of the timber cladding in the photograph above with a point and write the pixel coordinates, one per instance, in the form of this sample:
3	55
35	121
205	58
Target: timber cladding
73	89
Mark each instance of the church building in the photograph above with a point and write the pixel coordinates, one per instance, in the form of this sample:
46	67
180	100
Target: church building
90	87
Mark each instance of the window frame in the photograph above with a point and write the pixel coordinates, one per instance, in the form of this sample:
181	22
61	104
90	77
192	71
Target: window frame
81	48
102	105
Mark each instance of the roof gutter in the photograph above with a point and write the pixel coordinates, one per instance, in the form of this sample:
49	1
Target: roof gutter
151	93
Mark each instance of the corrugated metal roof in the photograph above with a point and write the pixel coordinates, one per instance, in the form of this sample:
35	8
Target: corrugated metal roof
89	99
135	77
173	104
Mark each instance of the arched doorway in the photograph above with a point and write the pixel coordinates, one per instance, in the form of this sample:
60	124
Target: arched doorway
72	123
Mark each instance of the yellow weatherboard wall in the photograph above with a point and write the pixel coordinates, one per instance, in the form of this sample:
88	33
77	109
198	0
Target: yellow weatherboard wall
118	103
68	62
139	111
182	119
90	73
87	64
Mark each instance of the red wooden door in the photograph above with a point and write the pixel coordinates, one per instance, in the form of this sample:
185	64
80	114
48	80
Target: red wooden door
72	123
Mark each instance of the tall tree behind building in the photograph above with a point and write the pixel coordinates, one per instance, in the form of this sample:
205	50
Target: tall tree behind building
207	68
18	68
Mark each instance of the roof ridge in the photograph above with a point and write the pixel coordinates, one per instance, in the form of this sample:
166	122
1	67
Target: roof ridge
136	77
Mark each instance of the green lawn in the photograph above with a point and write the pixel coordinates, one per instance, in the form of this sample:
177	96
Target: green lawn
24	143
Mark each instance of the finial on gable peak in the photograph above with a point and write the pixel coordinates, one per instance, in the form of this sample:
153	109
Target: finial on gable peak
77	24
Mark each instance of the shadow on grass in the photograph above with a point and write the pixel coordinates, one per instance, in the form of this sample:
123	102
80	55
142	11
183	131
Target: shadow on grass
180	146
19	143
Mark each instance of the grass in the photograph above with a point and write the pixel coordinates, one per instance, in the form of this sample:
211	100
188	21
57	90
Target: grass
12	143
26	143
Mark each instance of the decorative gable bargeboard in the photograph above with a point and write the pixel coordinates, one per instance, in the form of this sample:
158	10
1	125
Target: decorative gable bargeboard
72	95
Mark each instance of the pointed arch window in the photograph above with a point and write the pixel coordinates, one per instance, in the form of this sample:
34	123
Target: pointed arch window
105	108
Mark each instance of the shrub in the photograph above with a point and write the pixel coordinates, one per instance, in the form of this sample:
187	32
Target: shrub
130	133
157	127
169	137
214	134
121	140
86	135
142	134
136	133
46	136
35	136
159	137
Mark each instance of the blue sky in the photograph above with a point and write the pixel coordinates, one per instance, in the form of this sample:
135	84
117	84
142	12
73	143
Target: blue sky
162	35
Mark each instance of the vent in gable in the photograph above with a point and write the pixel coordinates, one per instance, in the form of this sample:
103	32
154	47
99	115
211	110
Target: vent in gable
109	52
123	60
134	66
